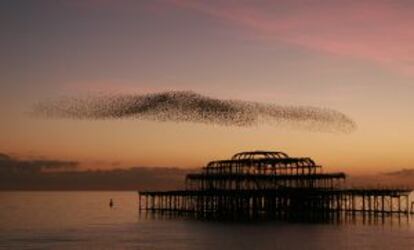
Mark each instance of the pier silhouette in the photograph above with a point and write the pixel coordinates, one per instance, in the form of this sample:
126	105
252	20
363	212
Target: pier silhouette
266	184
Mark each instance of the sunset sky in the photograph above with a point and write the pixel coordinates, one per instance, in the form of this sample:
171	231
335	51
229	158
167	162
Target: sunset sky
356	57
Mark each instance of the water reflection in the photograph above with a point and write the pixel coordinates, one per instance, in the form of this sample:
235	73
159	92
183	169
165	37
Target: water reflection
401	220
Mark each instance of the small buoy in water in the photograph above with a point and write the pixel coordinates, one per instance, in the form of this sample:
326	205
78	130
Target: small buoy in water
111	203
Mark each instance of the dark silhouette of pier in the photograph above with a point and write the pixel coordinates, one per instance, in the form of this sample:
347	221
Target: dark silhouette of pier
263	184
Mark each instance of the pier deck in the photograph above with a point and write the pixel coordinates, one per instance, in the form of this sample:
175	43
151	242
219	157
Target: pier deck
271	203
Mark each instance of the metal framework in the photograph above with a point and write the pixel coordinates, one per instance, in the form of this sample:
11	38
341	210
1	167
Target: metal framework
271	184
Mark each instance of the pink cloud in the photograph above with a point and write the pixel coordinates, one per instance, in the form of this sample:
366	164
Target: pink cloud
378	31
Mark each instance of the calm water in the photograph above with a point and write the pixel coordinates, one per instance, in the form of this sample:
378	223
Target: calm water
83	220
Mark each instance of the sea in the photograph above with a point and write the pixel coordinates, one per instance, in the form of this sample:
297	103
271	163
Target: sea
84	220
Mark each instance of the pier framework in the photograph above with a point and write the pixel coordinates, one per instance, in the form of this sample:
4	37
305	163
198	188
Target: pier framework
263	184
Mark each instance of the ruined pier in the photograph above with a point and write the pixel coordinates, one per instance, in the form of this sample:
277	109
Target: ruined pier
263	184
